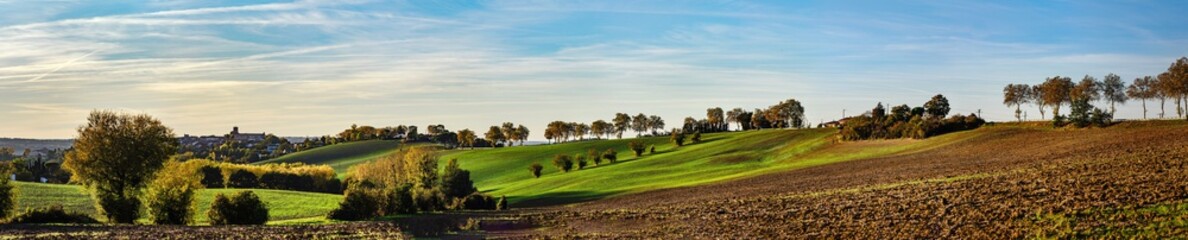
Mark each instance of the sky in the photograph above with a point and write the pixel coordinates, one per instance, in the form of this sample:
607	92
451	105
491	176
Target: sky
312	67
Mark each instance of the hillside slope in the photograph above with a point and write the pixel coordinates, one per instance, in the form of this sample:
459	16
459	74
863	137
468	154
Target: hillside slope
719	157
1005	181
283	205
341	156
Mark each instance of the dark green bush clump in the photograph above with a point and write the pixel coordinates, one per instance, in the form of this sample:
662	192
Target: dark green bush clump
358	204
502	204
477	201
212	177
610	155
51	214
563	162
535	169
243	208
243	179
637	147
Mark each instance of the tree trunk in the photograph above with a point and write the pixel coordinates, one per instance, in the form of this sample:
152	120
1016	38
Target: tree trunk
1144	108
1162	100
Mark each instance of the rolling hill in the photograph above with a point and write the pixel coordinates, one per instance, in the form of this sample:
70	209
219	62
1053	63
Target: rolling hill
284	206
719	157
341	156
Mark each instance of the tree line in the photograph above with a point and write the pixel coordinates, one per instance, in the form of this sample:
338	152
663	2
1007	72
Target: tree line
907	122
1058	91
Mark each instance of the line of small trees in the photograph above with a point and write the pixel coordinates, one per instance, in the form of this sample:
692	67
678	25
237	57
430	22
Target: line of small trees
1057	91
283	176
785	114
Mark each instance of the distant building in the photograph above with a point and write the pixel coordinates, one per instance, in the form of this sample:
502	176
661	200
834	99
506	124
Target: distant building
246	137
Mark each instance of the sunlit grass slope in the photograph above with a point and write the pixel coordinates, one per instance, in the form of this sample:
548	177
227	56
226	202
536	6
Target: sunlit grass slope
282	205
720	156
341	156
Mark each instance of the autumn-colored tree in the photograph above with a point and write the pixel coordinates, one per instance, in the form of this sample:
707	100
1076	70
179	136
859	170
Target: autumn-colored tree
733	115
509	133
655	123
580	130
1113	90
494	135
1177	86
115	156
622	122
1142	89
535	169
716	118
1037	97
1016	95
639	124
466	138
522	133
600	128
1055	92
678	137
1087	89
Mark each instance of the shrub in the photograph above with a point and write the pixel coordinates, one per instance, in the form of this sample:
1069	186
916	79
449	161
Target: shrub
502	204
594	156
455	182
243	208
563	162
400	200
428	199
243	179
581	161
358	204
1101	118
119	208
1059	121
535	169
7	192
678	138
610	155
476	201
652	149
51	214
1079	116
637	147
697	137
212	176
170	197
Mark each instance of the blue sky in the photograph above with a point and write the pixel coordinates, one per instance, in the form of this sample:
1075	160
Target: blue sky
315	67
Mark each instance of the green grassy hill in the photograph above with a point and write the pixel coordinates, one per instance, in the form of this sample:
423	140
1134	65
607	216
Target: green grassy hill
720	156
284	206
341	156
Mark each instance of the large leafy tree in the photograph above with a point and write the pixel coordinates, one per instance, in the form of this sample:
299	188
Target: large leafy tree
622	122
1087	89
522	133
1113	90
639	124
655	123
115	155
1142	89
1055	92
509	133
494	135
466	138
733	115
600	128
1016	95
937	107
716	118
1177	84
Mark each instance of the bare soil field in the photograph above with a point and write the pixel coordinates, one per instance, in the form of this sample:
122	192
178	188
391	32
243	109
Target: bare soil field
1007	182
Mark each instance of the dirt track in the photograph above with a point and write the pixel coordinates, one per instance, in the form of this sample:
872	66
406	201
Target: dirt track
1011	182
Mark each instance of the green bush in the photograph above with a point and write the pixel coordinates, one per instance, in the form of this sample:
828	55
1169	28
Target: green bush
610	155
455	182
476	201
400	201
563	162
594	156
359	203
678	138
581	161
637	147
428	199
535	169
243	179
243	208
170	197
7	191
697	137
212	177
119	208
51	214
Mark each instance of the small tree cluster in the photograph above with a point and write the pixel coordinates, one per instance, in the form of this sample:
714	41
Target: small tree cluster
610	155
594	156
563	162
637	147
535	169
242	208
170	197
678	137
283	176
906	122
